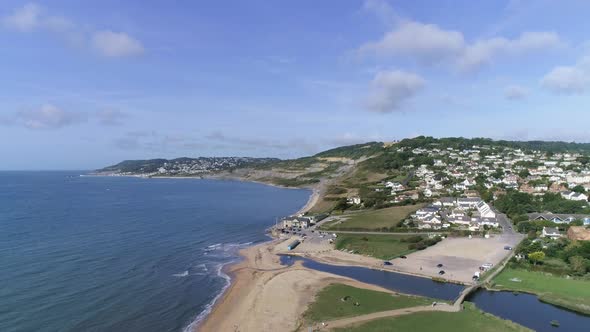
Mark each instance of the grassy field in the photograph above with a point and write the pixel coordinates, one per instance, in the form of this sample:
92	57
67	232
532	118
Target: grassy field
384	246
328	303
373	219
323	206
569	293
470	319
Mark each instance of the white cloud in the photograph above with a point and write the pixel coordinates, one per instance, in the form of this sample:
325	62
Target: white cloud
390	89
116	44
485	51
567	79
32	17
431	44
23	19
382	10
426	42
47	117
515	92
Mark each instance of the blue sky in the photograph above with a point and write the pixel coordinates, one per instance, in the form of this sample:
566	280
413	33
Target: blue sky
89	84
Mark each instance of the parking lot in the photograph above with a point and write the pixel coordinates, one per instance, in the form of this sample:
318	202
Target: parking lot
460	257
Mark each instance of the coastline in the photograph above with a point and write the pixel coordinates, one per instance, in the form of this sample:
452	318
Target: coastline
267	296
202	177
231	269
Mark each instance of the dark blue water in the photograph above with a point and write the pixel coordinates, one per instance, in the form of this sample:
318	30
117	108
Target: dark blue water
398	282
527	310
122	254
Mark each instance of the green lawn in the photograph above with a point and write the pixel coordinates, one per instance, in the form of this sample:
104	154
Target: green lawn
382	246
373	219
470	319
570	293
328	303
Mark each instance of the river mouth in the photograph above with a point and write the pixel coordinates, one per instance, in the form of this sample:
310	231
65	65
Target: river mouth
397	282
524	309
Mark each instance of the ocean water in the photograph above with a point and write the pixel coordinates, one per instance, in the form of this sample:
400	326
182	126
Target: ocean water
123	254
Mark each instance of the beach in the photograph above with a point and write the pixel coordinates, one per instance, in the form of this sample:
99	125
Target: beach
267	296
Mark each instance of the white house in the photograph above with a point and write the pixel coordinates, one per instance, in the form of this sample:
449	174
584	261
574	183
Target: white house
491	222
395	186
550	232
354	200
578	178
484	210
574	196
432	219
460	220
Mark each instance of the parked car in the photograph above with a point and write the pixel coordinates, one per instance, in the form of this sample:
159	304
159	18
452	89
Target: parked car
387	263
403	256
441	272
507	248
439	265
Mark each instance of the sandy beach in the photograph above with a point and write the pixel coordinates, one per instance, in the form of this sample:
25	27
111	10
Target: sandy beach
313	199
267	296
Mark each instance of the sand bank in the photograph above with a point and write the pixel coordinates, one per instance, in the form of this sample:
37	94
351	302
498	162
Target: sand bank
267	296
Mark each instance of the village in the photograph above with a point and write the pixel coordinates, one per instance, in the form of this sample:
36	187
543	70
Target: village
460	171
455	198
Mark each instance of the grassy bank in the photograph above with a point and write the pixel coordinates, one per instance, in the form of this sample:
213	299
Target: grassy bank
338	301
384	246
572	294
373	220
470	319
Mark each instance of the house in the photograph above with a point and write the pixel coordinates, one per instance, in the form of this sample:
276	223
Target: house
556	187
459	220
485	211
299	222
432	219
559	218
550	232
468	202
574	196
578	233
445	201
578	178
354	200
491	222
395	186
427	211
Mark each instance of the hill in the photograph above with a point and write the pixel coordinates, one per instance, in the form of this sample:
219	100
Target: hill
359	170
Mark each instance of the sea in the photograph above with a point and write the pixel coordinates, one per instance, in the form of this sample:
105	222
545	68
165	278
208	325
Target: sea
89	253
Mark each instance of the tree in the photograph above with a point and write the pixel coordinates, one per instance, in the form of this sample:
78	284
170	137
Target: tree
579	264
524	173
342	204
579	189
498	174
536	257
